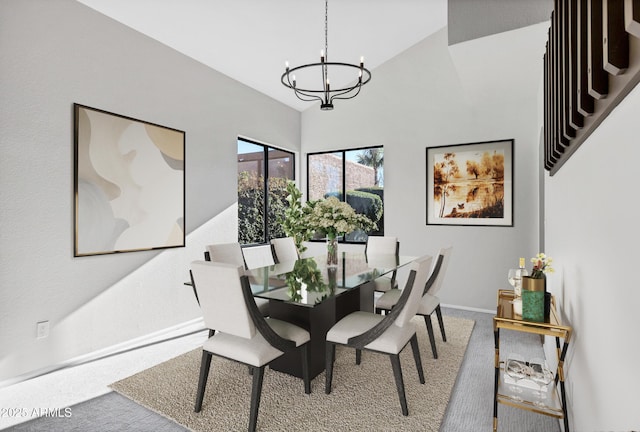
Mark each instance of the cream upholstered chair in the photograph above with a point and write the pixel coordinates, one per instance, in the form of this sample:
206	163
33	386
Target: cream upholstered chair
383	245
429	302
231	253
284	249
388	334
243	334
258	256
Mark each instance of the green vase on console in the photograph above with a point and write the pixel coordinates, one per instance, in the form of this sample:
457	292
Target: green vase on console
534	290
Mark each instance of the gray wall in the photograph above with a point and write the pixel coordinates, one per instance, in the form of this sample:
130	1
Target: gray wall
52	54
592	234
434	95
471	19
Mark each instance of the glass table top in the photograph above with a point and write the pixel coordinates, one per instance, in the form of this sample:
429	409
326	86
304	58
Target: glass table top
308	281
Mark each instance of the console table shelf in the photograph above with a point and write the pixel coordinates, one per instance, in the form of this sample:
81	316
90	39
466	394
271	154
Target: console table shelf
555	402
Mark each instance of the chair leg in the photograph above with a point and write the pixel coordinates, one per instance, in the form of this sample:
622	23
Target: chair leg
205	364
330	354
305	369
397	374
416	356
358	356
439	314
256	392
432	338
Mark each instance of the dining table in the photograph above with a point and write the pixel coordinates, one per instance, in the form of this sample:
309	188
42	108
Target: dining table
313	295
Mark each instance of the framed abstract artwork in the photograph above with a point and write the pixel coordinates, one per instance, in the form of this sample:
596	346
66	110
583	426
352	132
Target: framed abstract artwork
129	184
470	184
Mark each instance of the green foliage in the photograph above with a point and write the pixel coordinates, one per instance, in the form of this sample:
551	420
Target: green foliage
251	207
379	191
366	203
374	158
292	220
287	216
376	190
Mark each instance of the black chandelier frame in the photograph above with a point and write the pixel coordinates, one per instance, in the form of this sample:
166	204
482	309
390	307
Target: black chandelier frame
326	95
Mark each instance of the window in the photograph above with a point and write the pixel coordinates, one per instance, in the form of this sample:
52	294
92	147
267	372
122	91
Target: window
261	190
360	173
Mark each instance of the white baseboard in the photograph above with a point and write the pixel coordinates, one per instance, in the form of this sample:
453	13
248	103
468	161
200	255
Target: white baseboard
471	309
176	331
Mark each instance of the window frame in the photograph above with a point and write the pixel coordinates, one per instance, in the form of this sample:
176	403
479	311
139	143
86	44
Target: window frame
344	179
265	186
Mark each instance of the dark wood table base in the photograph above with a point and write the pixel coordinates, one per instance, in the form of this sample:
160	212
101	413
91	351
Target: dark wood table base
317	320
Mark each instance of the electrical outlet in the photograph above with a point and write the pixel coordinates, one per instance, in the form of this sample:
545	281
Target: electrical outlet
42	329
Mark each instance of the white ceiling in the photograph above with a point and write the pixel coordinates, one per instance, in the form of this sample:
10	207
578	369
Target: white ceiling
250	40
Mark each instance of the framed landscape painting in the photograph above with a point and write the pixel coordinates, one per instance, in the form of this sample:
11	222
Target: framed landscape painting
129	184
470	184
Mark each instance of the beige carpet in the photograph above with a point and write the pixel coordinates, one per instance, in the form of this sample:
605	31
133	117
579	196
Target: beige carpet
363	397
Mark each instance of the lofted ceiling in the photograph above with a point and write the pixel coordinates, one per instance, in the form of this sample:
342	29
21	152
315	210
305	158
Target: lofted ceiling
250	40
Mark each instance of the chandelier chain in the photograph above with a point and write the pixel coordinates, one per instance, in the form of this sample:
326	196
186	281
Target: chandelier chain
326	36
326	29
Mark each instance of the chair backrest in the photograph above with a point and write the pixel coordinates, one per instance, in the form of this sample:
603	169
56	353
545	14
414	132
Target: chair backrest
442	270
285	249
382	245
221	298
422	267
258	256
229	253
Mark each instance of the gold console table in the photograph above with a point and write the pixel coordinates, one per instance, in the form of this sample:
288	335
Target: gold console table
554	403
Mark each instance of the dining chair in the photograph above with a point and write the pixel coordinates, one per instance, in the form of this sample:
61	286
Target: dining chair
284	249
243	334
388	334
258	256
231	253
383	245
429	302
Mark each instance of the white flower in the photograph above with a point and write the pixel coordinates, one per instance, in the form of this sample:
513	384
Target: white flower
336	217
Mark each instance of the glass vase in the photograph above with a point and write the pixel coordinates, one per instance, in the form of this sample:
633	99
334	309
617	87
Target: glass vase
332	252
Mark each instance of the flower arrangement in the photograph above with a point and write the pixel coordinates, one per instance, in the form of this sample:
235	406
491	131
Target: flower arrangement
334	218
541	265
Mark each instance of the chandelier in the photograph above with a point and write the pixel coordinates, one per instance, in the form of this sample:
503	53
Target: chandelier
325	94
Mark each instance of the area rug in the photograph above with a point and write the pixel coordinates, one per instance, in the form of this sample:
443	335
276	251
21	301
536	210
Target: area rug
363	397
